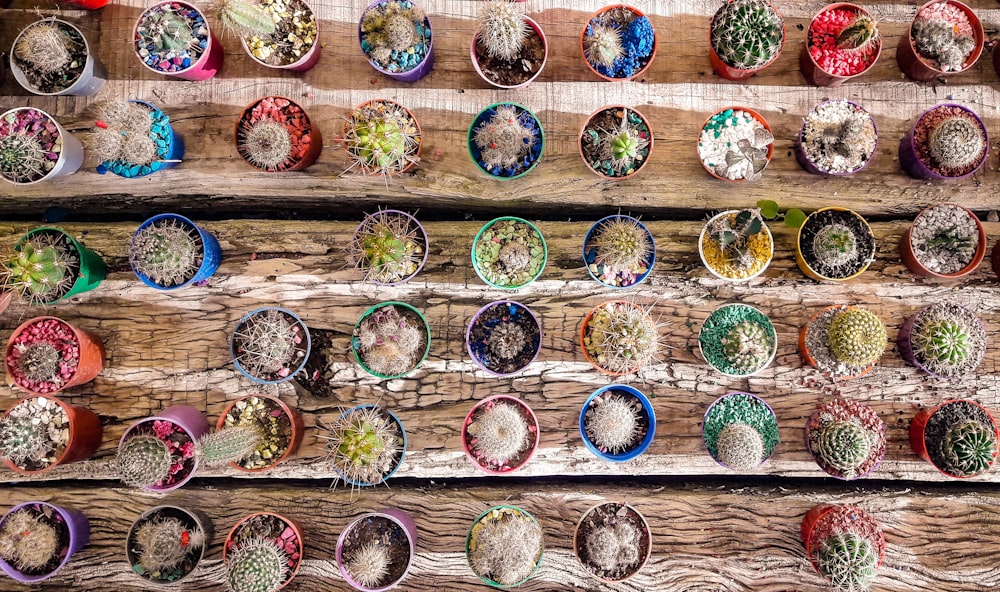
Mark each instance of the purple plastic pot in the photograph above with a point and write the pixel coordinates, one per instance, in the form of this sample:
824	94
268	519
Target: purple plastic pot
809	166
422	69
79	535
399	517
906	346
915	167
473	350
545	58
708	413
422	236
193	422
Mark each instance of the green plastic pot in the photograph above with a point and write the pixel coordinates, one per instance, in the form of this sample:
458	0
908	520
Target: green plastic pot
92	268
354	340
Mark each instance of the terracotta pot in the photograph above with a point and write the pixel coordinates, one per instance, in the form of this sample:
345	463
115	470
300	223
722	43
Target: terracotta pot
755	115
289	523
545	46
913	264
90	80
294	417
583	336
807	356
583	35
305	62
91	360
817	75
467	447
85	434
311	129
416	124
918	427
583	129
909	156
800	259
916	68
730	73
208	63
419	71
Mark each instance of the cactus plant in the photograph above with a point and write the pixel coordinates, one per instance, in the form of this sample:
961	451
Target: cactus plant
245	18
613	422
613	547
956	143
737	340
256	565
747	346
22	158
168	30
612	541
835	244
169	252
370	564
848	561
621	337
382	138
499	433
846	438
144	461
164	543
837	137
509	252
22	442
946	43
843	445
747	34
269	344
388	247
27	541
740	447
364	445
618	42
946	339
40	270
857	337
46	46
266	144
390	340
619	251
736	244
506	137
740	431
604	45
227	445
969	448
394	35
505	546
502	29
615	142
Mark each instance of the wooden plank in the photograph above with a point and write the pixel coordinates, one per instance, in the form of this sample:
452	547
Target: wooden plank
171	348
704	538
677	94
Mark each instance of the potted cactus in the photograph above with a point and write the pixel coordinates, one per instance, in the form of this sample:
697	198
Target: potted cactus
158	453
738	340
274	134
365	445
504	337
837	138
948	141
166	543
617	423
945	38
612	541
506	140
134	139
740	431
843	41
274	428
52	57
504	547
169	251
619	251
375	552
382	138
844	544
959	437
834	244
270	345
736	245
735	144
262	553
389	247
509	253
746	37
500	434
618	42
620	337
281	34
173	38
34	147
47	355
945	340
391	339
395	36
846	438
48	265
508	49
843	342
945	241
41	432
37	539
615	142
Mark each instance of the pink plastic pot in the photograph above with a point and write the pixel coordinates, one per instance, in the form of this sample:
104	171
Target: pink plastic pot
208	63
532	427
404	521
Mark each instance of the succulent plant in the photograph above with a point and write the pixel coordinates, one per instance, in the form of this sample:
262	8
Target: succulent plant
500	432
731	235
266	144
268	343
256	565
506	546
169	30
44	46
381	138
509	252
168	252
740	447
844	138
227	445
604	45
943	342
166	542
857	337
363	444
622	148
747	34
612	422
969	448
370	564
747	346
861	34
27	541
389	342
947	339
506	340
245	18
391	27
39	361
622	337
144	460
939	40
22	158
506	137
614	546
388	247
502	29
956	143
622	243
843	445
21	441
848	561
39	268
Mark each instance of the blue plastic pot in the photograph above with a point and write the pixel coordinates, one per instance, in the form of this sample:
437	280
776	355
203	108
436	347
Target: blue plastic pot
296	370
211	252
647	408
172	151
589	256
402	452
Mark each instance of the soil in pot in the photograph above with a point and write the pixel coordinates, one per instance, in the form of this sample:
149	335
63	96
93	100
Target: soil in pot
950	141
943	37
388	247
619	42
508	49
270	536
944	238
619	251
620	337
51	54
844	41
165	545
738	340
34	434
740	431
34	539
612	541
509	253
266	417
616	142
838	137
375	551
391	340
30	146
616	422
836	244
171	37
505	546
735	145
276	33
395	35
156	454
947	340
961	439
500	434
506	140
275	134
270	345
318	371
736	245
365	445
846	438
844	341
505	337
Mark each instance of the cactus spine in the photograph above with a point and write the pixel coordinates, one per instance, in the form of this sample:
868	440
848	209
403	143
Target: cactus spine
28	542
848	561
857	337
388	247
623	243
969	448
612	547
621	337
740	447
168	252
747	34
843	446
370	564
38	270
939	40
44	46
747	347
504	139
956	143
604	45
22	442
505	546
390	342
382	138
612	422
246	18
257	565
169	30
503	30
228	445
144	461
500	432
267	144
363	444
164	544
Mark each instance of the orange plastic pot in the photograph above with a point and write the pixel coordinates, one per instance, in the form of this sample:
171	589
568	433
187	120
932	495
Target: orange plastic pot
409	114
292	572
918	426
315	137
638	13
298	428
807	356
755	115
85	434
818	514
730	73
913	264
91	355
583	337
918	69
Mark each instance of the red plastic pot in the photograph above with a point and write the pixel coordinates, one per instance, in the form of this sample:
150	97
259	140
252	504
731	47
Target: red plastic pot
298	428
91	355
816	518
730	73
293	571
916	68
583	128
918	427
914	265
817	75
545	58
85	434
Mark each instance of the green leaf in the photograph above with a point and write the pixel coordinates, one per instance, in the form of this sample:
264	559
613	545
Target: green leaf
768	208
794	218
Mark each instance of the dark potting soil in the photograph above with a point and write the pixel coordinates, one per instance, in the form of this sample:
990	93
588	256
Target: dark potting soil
612	515
515	72
846	519
47	515
604	122
505	338
186	566
389	535
921	139
944	418
863	239
63	78
316	375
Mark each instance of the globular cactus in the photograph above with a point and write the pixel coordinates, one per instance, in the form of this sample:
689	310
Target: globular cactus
22	158
246	18
844	138
503	30
370	564
386	247
747	347
505	138
169	30
168	252
835	246
956	143
623	243
267	343
382	138
144	461
945	343
507	340
861	35
848	561
939	40
969	448
165	543
500	433
603	45
256	565
123	134
44	46
363	444
614	547
506	547
21	441
740	447
266	144
39	361
843	445
747	34
857	337
39	269
622	338
227	445
612	422
391	27
27	541
389	342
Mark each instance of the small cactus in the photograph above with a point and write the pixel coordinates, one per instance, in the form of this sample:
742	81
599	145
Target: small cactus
622	243
123	134
165	543
382	138
731	235
506	137
227	445
612	422
747	34
27	541
168	252
623	147
268	343
843	445
44	46
389	342
506	340
944	342
747	347
740	447
266	144
256	565
622	337
39	361
363	445
144	461
245	18
39	268
957	143
503	30
939	40
168	30
848	561
22	159
506	546
857	337
391	27
499	433
370	564
614	547
21	441
388	247
844	138
969	448
604	45
835	246
861	35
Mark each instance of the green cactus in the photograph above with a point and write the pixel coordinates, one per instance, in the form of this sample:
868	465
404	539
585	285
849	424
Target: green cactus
622	148
168	30
622	243
857	337
39	268
257	565
945	342
621	337
732	236
740	447
843	446
503	30
388	247
168	252
848	561
861	34
957	143
381	138
245	18
747	34
363	444
227	445
22	159
969	448
747	347
144	461
22	442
